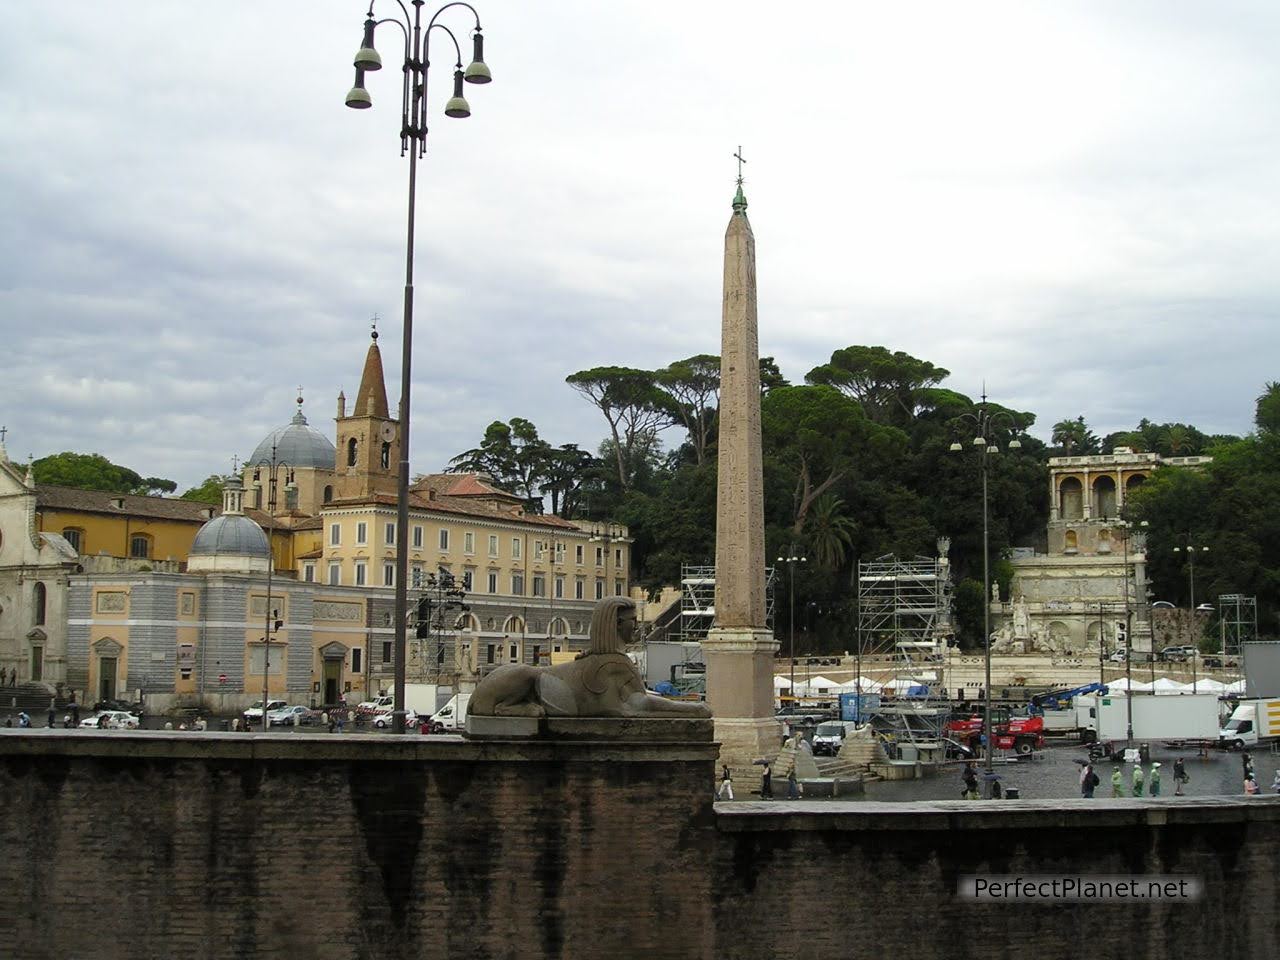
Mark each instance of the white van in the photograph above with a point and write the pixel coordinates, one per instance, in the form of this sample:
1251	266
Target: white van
453	715
829	736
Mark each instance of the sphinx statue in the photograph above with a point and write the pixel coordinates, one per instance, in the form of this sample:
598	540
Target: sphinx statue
602	682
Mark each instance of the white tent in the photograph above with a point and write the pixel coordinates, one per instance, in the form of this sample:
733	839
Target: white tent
781	683
903	684
1205	685
851	686
1166	686
1121	686
815	686
1236	686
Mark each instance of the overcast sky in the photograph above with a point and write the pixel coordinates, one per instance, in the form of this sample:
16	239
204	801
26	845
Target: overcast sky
1073	201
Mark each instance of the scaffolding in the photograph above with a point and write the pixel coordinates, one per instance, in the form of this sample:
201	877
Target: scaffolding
904	612
698	601
1238	621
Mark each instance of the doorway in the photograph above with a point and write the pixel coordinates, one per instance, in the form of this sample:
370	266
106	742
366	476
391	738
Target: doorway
332	681
37	663
106	678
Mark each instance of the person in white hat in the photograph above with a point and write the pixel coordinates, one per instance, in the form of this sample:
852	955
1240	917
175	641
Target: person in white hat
1153	781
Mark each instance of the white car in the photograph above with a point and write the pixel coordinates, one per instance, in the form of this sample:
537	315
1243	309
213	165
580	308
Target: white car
254	713
1119	656
384	719
111	720
291	716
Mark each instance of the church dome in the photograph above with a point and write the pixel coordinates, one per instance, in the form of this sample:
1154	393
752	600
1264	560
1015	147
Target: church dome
230	536
298	445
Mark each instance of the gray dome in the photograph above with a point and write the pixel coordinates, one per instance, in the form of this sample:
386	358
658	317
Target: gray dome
297	445
232	535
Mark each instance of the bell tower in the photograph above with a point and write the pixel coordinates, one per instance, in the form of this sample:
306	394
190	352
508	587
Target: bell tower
368	440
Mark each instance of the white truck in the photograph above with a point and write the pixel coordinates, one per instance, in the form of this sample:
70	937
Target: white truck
453	715
1251	723
829	736
1183	717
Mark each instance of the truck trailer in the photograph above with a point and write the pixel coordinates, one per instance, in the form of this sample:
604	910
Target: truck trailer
1252	722
1181	717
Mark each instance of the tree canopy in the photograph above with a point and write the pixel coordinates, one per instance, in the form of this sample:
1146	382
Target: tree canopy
92	471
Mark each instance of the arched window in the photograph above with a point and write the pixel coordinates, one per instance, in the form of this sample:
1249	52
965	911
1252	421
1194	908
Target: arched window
468	623
559	627
328	494
1070	499
351	452
1104	497
513	625
39	602
386	456
1134	482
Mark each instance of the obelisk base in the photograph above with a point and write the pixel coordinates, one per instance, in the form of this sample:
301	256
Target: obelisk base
740	695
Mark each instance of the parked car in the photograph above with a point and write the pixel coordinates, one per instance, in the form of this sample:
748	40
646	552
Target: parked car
368	708
111	720
289	716
955	750
383	718
1119	656
1178	654
254	713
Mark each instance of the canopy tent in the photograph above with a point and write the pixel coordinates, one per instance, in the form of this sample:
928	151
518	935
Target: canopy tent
1164	685
1206	685
851	686
1236	686
1121	686
781	683
816	686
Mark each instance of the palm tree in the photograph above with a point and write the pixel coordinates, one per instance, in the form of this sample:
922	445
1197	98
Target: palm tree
1074	437
830	531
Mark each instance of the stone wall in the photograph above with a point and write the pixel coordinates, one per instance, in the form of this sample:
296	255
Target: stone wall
217	845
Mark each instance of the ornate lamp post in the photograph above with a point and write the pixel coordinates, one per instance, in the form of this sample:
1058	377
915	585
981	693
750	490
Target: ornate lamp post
605	533
1126	531
791	558
982	442
413	140
276	469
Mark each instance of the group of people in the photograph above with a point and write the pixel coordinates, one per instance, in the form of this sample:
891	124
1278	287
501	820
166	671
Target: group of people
725	790
1250	778
8	678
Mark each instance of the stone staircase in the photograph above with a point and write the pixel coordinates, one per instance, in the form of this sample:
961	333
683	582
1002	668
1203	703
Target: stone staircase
31	697
859	750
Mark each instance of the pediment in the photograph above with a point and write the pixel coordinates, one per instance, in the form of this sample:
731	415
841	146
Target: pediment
106	647
334	651
36	635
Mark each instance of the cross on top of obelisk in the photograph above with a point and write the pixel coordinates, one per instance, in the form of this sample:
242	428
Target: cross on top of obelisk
4	431
741	160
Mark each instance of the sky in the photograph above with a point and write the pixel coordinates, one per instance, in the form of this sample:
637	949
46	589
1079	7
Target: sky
1073	203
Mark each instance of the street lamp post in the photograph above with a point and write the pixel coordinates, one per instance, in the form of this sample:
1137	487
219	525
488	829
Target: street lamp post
275	469
413	140
605	533
1191	589
985	420
791	559
1126	528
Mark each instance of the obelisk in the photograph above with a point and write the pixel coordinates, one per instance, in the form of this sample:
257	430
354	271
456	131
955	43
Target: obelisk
739	648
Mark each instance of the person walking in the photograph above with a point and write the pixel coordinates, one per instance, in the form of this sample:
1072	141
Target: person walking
1275	783
53	716
1179	776
1247	760
793	788
726	784
1138	778
970	780
1090	781
1153	781
1117	783
1250	786
766	782
3	674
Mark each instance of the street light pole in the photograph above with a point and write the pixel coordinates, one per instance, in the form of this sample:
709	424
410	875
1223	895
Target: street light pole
413	140
1125	527
791	559
985	420
273	467
1191	589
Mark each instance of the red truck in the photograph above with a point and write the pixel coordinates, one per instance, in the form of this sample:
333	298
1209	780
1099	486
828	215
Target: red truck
1020	734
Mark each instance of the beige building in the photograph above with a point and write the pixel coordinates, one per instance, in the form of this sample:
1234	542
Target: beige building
1074	596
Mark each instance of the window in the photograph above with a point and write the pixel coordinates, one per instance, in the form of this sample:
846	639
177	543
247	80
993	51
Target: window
515	548
308	573
389	533
335	534
539	586
559	588
387	656
537	550
577	554
362	533
617	588
537	653
417	576
617	557
599	589
73	537
493	545
579	588
386	456
355	660
351	452
335	574
599	556
515	654
517	584
468	542
362	569
444	538
328	494
140	547
559	553
388	574
39	601
493	581
417	537
468	579
489	652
